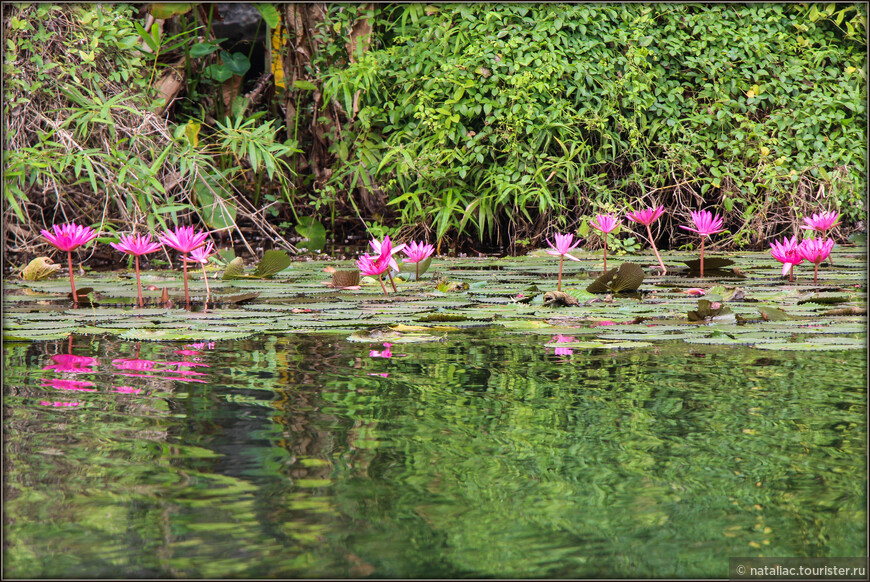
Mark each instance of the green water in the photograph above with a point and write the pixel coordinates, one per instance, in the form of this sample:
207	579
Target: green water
485	455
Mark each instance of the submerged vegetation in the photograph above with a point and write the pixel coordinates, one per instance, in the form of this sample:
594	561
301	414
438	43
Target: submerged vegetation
475	125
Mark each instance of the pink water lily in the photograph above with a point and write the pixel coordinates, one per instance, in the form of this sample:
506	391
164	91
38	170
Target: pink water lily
706	224
386	249
374	267
136	245
561	248
785	251
815	250
68	237
646	217
606	223
822	221
418	252
201	255
183	239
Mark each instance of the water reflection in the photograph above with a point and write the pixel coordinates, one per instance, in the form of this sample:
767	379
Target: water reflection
311	456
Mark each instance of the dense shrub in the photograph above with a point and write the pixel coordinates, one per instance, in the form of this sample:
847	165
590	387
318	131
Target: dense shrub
84	142
505	121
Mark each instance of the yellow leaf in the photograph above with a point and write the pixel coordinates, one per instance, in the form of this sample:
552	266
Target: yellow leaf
764	151
750	94
850	70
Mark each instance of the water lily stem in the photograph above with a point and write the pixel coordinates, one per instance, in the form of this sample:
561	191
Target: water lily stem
702	257
139	283
561	260
381	281
205	278
655	250
418	271
816	274
605	252
186	294
390	275
72	282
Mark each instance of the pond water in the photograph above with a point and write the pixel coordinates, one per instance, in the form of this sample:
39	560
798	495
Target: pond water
487	454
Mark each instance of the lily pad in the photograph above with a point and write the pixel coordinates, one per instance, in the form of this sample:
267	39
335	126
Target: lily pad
627	277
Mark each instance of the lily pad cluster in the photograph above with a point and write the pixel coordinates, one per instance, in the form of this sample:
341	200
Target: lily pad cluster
746	302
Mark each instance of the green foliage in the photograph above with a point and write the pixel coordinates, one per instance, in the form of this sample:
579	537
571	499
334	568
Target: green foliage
84	139
491	119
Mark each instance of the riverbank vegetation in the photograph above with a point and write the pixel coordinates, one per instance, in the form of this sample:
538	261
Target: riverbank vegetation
472	126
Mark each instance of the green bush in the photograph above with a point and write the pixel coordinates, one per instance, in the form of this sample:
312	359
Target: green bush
505	121
84	141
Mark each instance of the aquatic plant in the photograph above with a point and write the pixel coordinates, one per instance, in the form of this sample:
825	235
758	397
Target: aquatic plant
201	256
785	251
562	248
647	217
606	223
418	252
706	224
386	249
374	266
183	239
815	250
68	237
136	245
822	221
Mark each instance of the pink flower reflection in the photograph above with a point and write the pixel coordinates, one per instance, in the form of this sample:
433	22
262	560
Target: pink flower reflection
184	364
46	403
201	346
382	374
60	384
562	339
382	354
127	390
186	352
72	364
604	322
137	365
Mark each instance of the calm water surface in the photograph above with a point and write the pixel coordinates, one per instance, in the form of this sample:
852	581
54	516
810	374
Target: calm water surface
487	455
